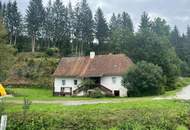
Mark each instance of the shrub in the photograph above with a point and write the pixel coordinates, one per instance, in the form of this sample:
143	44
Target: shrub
144	79
52	51
96	94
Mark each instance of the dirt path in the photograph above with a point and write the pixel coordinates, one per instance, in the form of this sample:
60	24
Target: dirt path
184	93
72	103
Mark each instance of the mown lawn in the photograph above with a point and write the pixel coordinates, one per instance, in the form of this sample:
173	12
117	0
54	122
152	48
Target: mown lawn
39	94
131	104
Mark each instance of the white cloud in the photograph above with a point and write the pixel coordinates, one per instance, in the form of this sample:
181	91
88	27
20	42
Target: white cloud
182	18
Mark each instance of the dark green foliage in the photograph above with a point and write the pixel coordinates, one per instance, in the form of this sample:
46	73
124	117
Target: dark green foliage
144	79
83	28
6	55
127	22
160	27
35	19
155	49
96	94
2	106
182	45
13	21
101	31
121	41
145	25
52	51
122	35
87	84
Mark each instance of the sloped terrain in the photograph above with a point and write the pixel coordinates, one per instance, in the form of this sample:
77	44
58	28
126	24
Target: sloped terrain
32	70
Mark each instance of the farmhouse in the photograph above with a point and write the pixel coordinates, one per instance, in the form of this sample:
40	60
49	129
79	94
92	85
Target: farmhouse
105	70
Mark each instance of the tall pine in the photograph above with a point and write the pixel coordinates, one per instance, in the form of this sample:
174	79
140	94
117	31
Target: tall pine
35	18
145	25
84	25
101	30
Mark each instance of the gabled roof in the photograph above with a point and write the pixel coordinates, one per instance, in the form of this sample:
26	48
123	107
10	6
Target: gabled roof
100	65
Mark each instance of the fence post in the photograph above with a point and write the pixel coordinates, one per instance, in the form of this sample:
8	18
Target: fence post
3	122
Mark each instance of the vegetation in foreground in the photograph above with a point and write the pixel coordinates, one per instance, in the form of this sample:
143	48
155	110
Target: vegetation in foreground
131	114
135	115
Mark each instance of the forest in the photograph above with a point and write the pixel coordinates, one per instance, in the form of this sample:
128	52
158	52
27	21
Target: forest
74	30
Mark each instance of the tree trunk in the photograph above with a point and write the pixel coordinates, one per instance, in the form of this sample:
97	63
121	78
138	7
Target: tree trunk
15	41
10	40
33	43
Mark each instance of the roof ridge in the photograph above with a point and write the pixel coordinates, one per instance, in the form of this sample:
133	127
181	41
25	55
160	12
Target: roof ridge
95	55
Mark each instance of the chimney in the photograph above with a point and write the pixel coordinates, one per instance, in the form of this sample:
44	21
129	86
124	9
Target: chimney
92	55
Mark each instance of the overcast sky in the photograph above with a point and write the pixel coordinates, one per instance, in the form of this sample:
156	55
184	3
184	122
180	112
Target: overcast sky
176	12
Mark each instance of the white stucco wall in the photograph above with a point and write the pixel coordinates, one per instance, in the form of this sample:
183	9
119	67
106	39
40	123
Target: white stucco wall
108	82
105	81
69	82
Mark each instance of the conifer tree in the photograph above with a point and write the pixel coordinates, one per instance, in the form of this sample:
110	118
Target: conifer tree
160	27
61	28
127	22
35	19
113	22
101	29
48	24
84	27
145	25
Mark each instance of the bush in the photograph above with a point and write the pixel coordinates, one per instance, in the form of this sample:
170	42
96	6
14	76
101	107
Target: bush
52	51
96	94
144	79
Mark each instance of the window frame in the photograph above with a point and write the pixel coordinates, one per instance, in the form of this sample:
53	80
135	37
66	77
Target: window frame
63	82
75	82
114	80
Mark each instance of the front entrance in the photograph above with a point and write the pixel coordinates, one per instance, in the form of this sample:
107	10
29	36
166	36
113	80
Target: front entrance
116	93
97	80
66	91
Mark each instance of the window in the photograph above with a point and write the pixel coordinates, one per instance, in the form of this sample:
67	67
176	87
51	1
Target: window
114	80
75	82
63	82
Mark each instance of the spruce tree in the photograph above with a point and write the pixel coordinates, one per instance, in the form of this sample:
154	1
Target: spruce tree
48	24
35	18
175	37
61	28
127	22
113	22
145	25
84	25
16	21
71	22
160	27
101	29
